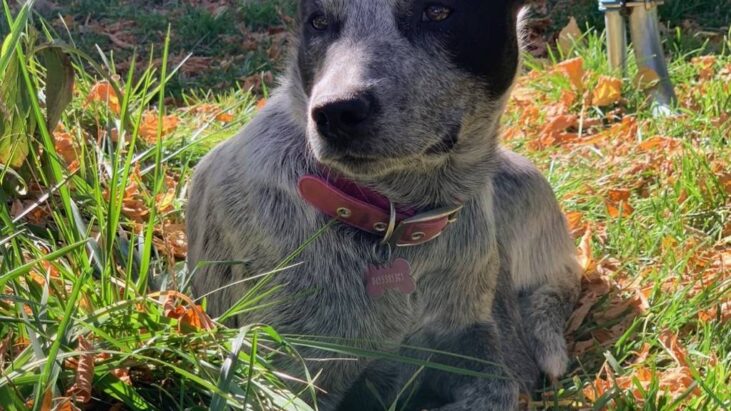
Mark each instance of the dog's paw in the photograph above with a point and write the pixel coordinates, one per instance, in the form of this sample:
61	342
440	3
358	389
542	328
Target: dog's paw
552	356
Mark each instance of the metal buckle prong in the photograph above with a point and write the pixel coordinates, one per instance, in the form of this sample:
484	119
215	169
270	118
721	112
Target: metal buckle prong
391	225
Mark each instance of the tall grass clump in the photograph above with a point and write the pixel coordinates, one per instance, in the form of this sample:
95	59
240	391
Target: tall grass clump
93	304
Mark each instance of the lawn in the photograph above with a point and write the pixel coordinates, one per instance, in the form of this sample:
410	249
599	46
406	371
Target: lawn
97	146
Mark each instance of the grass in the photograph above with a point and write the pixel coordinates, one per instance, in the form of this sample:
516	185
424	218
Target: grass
91	216
229	40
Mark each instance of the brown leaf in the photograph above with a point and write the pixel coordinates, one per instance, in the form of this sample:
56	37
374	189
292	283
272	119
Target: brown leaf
585	251
568	36
149	126
607	92
659	143
189	316
720	312
581	312
65	405
573	69
575	221
81	389
103	92
669	340
705	66
618	203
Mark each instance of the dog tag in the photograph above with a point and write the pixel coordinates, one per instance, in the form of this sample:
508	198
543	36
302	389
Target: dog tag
395	275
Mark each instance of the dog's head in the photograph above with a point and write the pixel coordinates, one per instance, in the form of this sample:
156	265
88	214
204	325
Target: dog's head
404	83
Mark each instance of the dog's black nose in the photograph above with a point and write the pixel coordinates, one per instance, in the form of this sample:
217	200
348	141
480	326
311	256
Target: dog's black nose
343	120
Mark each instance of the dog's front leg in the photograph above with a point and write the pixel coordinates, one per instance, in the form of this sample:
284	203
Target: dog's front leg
459	320
476	349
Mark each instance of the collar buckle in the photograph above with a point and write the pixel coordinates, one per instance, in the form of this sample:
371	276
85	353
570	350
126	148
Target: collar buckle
421	228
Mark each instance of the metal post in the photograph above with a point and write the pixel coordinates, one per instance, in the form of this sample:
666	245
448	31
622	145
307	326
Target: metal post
645	33
616	39
648	50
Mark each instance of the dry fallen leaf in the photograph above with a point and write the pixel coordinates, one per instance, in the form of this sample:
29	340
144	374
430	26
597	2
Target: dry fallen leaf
721	312
574	70
618	203
607	92
66	148
213	110
103	92
150	122
585	252
81	389
653	144
575	221
706	66
568	36
189	316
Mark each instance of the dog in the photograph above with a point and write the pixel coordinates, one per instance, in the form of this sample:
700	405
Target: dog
446	248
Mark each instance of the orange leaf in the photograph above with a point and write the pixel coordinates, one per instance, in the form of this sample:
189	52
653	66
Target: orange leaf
721	312
574	70
619	210
585	252
225	117
561	123
103	92
575	221
617	195
65	405
47	401
63	142
149	126
659	143
607	92
671	344
191	316
618	204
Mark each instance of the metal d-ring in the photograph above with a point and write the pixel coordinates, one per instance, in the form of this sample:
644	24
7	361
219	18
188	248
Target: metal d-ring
382	259
391	224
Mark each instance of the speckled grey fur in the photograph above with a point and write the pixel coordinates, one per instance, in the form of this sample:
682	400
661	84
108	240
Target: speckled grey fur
497	285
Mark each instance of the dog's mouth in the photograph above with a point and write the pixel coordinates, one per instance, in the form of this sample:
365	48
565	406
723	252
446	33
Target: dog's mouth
355	162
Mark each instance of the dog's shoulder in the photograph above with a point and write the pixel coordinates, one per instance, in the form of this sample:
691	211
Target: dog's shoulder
517	178
246	179
531	227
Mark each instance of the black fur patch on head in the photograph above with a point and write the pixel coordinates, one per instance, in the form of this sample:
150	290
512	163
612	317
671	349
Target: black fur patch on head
480	36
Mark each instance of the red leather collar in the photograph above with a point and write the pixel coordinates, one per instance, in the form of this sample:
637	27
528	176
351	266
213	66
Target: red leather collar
369	211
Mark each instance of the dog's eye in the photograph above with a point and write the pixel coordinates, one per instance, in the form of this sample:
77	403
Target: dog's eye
320	22
436	13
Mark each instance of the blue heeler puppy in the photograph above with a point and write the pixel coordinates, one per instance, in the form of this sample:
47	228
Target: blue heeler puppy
388	121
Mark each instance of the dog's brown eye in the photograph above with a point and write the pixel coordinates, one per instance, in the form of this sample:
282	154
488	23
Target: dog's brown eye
436	13
320	22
